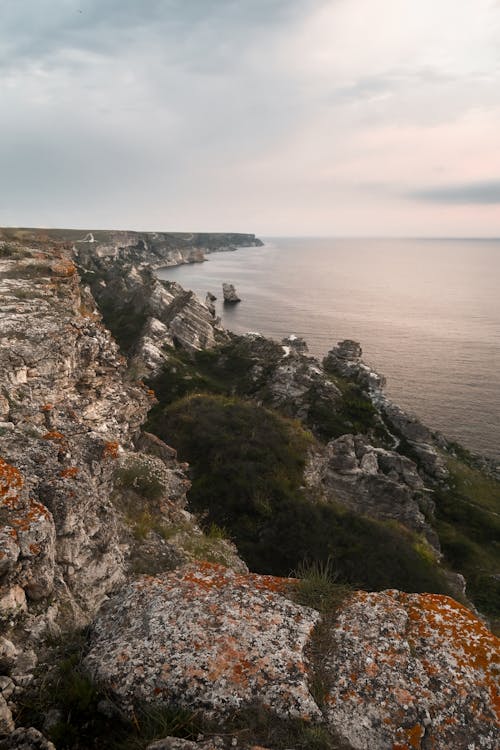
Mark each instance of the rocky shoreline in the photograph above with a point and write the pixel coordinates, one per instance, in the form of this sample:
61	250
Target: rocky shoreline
97	528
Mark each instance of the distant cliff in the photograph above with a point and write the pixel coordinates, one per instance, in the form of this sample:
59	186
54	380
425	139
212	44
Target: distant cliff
154	248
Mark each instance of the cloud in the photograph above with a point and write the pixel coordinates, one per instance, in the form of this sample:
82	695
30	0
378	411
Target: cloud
194	113
481	193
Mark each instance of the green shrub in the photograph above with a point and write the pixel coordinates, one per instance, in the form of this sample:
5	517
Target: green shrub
247	472
141	475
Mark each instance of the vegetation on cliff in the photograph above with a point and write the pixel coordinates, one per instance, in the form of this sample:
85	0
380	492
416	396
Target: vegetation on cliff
247	472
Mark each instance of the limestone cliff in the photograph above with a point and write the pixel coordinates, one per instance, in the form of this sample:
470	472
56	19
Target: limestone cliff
96	529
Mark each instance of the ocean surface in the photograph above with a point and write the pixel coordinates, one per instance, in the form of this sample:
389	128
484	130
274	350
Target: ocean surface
426	312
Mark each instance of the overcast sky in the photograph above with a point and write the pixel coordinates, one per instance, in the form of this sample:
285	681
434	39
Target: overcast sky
280	117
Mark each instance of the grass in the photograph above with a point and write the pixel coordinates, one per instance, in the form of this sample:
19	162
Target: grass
468	523
319	585
319	588
229	370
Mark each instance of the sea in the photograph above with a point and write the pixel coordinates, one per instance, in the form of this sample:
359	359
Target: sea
425	311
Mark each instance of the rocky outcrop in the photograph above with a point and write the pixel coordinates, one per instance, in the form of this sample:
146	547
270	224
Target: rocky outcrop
284	378
407	671
371	481
229	294
206	638
149	316
345	360
209	302
297	343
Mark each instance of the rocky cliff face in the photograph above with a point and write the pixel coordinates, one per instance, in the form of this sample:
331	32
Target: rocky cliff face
70	414
95	528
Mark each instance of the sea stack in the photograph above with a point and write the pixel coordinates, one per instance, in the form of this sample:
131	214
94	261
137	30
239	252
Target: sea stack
230	296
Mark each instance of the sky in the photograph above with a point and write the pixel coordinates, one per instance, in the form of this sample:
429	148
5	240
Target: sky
279	117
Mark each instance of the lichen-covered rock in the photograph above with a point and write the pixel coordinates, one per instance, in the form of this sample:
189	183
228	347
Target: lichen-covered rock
411	672
6	720
206	638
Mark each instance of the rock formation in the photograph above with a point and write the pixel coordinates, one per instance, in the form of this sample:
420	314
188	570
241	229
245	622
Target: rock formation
95	528
296	343
345	360
372	481
230	295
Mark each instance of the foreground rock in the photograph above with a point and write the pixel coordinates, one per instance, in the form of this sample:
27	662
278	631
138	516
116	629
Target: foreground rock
206	638
403	671
411	672
230	295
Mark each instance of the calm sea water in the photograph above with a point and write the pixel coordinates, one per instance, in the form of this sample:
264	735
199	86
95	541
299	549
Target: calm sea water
426	312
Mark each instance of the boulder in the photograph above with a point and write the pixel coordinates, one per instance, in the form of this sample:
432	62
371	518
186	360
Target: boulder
204	637
412	671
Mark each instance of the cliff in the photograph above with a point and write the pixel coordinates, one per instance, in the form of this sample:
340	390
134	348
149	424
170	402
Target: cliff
97	527
153	248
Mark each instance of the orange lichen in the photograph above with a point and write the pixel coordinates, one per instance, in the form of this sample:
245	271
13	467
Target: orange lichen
411	737
210	575
110	449
69	473
474	645
34	549
53	435
10	480
64	268
47	407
